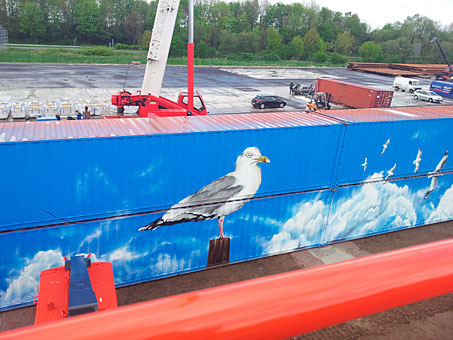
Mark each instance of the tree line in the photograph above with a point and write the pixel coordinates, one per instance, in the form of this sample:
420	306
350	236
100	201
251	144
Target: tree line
240	29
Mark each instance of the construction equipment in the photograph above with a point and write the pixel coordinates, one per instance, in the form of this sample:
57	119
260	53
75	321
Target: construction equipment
320	101
148	100
447	74
78	287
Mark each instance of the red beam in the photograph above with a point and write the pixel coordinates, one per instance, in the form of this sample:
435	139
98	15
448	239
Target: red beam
273	307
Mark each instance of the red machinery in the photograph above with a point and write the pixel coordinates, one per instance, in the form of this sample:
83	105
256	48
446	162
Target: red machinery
148	100
152	106
77	288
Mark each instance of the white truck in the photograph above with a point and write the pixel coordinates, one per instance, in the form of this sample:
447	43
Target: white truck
406	84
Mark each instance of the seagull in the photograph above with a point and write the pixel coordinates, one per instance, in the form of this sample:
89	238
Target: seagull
390	172
435	174
384	146
365	164
219	198
432	186
440	165
417	160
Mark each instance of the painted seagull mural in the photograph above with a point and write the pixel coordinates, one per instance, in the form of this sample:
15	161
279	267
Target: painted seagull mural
384	146
390	172
219	198
435	174
417	160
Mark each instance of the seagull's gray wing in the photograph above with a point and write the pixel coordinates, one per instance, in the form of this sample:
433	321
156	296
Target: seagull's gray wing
201	205
211	196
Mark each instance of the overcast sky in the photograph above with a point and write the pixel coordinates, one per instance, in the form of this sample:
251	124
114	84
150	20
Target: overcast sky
377	13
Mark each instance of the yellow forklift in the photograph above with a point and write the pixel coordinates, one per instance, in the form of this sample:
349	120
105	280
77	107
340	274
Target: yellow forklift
320	101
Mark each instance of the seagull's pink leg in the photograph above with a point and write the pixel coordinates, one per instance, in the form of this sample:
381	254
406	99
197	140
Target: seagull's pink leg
221	226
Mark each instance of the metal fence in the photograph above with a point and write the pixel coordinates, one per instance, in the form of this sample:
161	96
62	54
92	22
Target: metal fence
3	37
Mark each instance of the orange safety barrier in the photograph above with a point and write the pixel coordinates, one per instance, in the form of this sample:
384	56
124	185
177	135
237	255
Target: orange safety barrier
273	307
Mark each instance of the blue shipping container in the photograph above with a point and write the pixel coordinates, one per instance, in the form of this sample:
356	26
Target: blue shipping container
442	88
326	182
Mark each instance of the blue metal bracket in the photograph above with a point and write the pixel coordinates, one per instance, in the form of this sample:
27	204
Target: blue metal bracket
81	296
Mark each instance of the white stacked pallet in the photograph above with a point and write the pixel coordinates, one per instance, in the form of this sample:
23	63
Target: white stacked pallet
4	110
50	109
19	110
35	109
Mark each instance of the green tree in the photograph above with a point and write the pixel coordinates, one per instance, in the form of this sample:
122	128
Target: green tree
146	39
344	42
32	23
228	42
274	40
397	50
311	42
88	21
370	52
297	47
178	47
201	50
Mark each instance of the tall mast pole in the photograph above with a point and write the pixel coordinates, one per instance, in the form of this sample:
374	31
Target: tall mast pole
190	58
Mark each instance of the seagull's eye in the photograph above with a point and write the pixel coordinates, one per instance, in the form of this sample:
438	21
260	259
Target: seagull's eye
248	155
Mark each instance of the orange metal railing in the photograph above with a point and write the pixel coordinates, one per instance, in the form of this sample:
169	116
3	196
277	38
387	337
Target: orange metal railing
273	307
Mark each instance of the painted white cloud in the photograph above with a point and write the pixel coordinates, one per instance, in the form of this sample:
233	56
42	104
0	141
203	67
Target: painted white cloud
170	263
371	208
302	229
444	209
24	287
122	254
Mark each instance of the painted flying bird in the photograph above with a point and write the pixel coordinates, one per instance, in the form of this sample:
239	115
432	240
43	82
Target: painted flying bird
441	164
390	172
417	160
432	186
219	198
436	173
384	146
365	164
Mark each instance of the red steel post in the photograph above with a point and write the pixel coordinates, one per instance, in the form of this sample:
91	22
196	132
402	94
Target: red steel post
190	70
274	307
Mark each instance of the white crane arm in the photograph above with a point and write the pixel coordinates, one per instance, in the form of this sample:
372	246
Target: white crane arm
159	46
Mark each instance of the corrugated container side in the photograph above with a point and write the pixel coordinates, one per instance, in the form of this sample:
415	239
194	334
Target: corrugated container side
442	88
265	226
386	144
79	179
392	114
381	206
324	184
354	95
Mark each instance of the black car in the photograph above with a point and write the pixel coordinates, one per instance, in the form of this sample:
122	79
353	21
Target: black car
262	102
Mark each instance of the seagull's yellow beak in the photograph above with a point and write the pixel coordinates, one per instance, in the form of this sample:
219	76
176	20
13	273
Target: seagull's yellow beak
263	159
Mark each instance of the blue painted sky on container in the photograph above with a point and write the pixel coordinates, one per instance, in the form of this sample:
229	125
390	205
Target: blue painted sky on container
256	230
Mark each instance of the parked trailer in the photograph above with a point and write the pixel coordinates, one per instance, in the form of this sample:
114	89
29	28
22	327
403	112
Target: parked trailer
354	95
442	88
332	177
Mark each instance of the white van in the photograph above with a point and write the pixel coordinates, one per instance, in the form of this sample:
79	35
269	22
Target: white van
406	84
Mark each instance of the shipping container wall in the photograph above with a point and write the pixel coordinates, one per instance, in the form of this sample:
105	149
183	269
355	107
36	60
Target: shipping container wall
442	88
384	145
262	227
322	185
80	179
378	206
354	95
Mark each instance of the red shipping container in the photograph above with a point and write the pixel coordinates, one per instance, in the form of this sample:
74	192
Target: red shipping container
354	95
